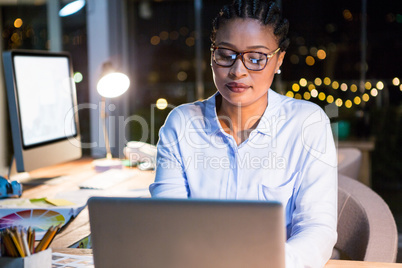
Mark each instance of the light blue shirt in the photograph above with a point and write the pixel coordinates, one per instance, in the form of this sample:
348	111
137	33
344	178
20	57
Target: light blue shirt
290	157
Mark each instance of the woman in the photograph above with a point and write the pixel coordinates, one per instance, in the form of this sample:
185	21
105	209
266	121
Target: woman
248	142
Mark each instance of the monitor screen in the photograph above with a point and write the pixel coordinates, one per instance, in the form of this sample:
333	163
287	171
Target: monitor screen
42	107
45	98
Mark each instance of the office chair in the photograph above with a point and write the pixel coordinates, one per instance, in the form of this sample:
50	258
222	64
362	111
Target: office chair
349	162
366	226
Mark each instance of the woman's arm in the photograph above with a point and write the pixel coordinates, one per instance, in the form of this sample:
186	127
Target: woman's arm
314	220
170	178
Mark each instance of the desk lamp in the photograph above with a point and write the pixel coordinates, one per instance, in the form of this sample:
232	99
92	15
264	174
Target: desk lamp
111	85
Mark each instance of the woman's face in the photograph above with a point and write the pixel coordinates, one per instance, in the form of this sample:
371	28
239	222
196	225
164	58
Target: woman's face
238	85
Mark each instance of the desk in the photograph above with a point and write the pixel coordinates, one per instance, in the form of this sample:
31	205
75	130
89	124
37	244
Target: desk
360	264
79	227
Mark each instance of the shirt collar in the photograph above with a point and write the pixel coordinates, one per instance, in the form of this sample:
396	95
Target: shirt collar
211	115
265	124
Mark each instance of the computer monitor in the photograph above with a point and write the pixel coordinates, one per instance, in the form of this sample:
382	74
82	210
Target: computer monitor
43	108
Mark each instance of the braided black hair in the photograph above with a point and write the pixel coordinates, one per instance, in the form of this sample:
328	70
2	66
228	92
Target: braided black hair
266	12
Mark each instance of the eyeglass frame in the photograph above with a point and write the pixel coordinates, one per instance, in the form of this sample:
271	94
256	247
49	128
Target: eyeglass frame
269	56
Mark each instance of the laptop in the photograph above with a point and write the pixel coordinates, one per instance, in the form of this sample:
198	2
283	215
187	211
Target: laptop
183	233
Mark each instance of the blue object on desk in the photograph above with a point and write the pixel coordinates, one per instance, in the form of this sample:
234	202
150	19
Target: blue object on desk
9	188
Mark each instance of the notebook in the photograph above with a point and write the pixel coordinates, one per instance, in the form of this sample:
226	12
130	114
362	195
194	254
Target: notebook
172	233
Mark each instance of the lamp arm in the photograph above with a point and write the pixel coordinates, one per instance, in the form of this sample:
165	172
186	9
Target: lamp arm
105	133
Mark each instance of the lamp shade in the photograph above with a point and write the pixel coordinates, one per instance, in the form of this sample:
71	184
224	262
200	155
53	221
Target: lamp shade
113	85
72	8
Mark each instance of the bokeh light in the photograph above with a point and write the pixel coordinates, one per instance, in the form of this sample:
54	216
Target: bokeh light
295	87
338	102
330	99
327	81
161	104
182	76
314	93
368	85
396	81
380	85
357	100
290	94
318	81
321	96
344	87
348	103
335	85
303	82
78	77
155	40
310	61
374	92
18	23
353	88
365	97
321	54
306	95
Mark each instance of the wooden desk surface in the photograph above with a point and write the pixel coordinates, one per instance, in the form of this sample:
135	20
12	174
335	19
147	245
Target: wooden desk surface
360	264
78	228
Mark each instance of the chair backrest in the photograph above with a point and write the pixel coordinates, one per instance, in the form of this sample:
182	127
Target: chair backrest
349	162
366	226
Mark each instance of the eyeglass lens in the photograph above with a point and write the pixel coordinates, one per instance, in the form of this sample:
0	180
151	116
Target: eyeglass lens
251	60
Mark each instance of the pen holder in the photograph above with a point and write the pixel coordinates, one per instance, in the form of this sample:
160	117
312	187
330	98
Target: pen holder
41	259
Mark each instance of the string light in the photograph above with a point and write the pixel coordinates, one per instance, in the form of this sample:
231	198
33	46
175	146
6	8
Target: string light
374	92
295	87
380	85
303	82
357	100
314	93
321	96
318	81
311	87
330	99
365	97
335	85
344	87
321	54
290	94
310	61
353	88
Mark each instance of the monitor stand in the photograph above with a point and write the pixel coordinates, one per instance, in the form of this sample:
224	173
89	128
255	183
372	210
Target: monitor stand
24	177
14	175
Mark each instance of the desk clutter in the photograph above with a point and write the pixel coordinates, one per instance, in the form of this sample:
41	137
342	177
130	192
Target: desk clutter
39	214
20	250
20	242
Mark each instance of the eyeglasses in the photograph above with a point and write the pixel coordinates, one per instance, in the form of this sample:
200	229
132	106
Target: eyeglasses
252	60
